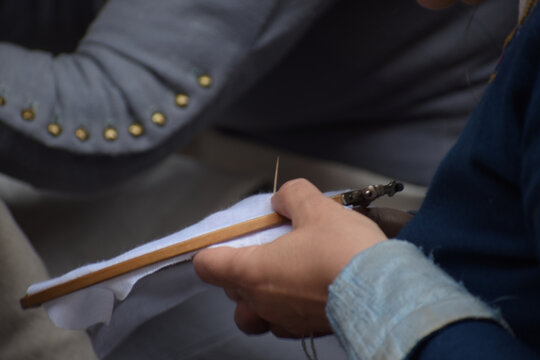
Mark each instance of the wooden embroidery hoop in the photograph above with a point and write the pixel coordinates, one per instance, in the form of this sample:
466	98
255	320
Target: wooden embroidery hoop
362	197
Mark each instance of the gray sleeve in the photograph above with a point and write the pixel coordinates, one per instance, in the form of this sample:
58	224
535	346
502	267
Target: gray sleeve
390	297
147	75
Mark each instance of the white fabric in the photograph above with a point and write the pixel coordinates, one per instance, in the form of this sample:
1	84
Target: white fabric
168	286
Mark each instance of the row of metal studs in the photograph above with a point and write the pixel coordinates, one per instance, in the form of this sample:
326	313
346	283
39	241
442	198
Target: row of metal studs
110	133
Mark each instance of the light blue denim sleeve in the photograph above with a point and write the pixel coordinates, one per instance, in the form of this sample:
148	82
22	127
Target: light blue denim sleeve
390	297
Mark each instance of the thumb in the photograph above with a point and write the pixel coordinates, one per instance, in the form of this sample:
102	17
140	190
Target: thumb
219	266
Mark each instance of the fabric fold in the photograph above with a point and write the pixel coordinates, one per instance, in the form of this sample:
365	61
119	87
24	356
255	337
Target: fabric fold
159	287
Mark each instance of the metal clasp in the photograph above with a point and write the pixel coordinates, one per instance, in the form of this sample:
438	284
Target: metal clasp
364	197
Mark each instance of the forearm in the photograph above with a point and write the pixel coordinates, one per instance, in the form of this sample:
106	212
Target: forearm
144	75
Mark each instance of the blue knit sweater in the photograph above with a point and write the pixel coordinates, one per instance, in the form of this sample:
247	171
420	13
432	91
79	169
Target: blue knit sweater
480	219
480	222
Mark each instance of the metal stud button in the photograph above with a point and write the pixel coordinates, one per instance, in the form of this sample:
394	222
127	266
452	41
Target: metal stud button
159	118
82	134
110	134
182	100
28	114
54	129
136	129
205	81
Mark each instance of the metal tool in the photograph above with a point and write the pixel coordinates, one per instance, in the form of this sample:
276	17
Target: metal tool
365	196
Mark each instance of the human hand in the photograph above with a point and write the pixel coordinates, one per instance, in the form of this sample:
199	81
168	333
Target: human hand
283	286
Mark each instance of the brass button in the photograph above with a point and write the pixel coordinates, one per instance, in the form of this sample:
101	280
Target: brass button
136	129
82	134
28	114
205	81
159	119
110	134
54	129
182	100
2	101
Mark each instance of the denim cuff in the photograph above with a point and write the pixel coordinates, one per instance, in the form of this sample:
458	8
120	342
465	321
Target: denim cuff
390	297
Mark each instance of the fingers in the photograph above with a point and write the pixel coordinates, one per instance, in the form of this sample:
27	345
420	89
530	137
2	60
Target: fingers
233	294
290	200
300	201
223	267
280	332
220	266
248	321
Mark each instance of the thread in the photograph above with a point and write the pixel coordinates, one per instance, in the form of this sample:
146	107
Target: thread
313	355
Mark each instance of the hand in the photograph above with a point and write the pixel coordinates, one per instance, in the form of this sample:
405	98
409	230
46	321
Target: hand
283	286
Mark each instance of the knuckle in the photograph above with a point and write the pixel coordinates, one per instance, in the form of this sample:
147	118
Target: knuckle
293	186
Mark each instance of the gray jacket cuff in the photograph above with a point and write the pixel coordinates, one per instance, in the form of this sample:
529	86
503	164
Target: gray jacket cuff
146	71
390	297
146	77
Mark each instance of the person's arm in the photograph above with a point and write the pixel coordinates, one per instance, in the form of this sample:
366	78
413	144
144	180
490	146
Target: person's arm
144	79
335	272
391	302
472	340
484	340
